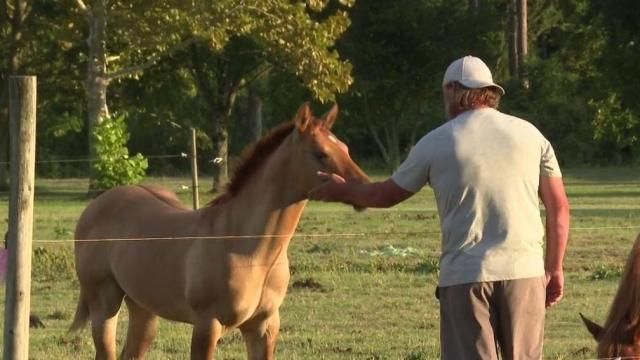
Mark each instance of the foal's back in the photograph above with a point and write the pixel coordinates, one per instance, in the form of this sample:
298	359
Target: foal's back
106	214
135	236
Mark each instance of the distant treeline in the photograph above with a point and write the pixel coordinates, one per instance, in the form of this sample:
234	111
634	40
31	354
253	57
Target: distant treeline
234	69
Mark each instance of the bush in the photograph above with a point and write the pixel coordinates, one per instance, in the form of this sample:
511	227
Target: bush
114	166
52	264
605	272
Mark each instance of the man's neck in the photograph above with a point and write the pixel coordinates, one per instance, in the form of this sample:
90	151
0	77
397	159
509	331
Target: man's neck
455	114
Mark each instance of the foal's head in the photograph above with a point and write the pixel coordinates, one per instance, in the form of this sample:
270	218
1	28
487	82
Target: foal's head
318	149
625	343
620	335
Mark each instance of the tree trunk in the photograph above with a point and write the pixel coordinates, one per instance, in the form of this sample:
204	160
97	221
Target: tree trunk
220	154
18	15
474	5
254	114
389	143
393	143
512	38
97	81
226	102
373	131
4	139
522	42
390	147
376	138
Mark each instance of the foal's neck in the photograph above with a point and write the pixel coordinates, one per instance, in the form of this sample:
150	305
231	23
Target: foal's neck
269	207
272	200
275	195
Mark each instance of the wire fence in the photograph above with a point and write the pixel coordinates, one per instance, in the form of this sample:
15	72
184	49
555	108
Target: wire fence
89	160
311	235
291	235
226	237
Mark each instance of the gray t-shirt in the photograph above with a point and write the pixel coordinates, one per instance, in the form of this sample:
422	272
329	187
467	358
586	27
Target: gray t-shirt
484	167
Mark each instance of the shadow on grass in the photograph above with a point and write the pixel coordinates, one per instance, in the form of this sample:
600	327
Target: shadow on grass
607	194
58	196
598	175
47	193
631	214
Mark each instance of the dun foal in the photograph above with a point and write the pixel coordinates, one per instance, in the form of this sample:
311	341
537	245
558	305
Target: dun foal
220	267
620	335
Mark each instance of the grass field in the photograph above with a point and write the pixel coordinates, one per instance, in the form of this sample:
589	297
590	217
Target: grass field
362	283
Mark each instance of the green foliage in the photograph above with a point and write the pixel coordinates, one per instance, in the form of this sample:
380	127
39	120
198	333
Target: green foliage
605	272
52	264
296	39
417	355
114	166
163	104
611	121
306	47
383	59
399	51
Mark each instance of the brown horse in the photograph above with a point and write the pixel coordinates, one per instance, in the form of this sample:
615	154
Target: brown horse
620	335
220	267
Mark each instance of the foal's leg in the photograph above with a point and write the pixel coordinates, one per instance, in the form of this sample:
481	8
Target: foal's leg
260	337
104	303
204	340
142	329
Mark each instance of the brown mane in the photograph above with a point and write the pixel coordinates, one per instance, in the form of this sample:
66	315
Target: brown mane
251	160
624	314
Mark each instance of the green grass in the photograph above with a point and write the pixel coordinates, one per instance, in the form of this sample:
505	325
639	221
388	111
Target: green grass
362	283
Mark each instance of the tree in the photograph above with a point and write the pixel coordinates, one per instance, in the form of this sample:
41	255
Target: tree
512	38
14	13
155	29
617	118
152	30
400	50
523	42
518	40
280	34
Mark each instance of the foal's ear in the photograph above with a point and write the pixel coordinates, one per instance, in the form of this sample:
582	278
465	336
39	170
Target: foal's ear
303	117
595	329
330	117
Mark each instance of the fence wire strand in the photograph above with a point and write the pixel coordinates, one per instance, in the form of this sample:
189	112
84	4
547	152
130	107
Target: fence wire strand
297	235
86	160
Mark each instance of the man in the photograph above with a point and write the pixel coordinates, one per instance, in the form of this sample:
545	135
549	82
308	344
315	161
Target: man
487	170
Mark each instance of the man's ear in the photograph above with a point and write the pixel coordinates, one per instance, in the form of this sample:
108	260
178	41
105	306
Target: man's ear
330	117
303	117
595	329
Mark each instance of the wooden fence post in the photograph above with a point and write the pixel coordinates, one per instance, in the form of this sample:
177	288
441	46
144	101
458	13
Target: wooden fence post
194	171
22	114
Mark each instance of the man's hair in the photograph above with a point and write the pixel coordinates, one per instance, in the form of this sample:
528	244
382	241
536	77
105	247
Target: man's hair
467	98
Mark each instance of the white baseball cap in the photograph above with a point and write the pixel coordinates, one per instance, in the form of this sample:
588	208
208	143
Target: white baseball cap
471	72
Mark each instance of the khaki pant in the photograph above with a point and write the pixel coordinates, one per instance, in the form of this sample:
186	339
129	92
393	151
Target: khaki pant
480	320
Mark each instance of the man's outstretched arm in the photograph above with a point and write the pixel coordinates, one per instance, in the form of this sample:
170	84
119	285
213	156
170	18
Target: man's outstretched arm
377	195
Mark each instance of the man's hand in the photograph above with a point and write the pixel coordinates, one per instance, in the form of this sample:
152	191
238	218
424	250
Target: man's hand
331	177
555	287
327	190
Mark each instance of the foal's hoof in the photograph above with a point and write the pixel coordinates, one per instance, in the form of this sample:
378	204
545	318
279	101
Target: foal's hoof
359	208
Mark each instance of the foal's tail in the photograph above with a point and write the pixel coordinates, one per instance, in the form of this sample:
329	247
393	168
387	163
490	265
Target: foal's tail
82	315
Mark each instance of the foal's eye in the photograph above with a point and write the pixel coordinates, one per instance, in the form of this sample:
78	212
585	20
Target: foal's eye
320	156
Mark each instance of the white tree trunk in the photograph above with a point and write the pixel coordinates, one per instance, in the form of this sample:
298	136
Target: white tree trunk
97	81
512	38
523	38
